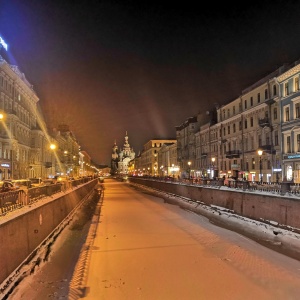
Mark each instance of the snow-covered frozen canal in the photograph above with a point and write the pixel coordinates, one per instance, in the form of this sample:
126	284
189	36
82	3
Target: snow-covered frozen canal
139	247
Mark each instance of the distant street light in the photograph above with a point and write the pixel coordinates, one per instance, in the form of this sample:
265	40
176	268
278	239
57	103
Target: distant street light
260	152
189	164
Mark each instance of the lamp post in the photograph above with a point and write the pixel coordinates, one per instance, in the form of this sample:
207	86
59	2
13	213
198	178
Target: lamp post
52	147
260	152
189	164
213	159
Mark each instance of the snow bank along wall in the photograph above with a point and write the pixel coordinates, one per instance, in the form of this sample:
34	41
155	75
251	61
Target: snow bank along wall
257	206
21	235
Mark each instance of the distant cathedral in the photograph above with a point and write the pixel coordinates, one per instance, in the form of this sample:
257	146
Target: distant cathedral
120	159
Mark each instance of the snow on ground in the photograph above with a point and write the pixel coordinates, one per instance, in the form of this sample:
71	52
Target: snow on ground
266	232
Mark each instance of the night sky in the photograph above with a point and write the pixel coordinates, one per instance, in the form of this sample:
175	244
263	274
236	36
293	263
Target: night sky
107	67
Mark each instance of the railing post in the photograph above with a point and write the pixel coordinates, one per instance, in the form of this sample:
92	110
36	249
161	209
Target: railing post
285	187
245	185
220	182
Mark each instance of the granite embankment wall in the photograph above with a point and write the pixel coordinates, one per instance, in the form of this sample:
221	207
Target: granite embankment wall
284	210
29	227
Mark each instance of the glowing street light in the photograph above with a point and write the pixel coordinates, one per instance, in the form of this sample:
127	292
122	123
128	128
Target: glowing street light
260	152
213	159
52	147
189	164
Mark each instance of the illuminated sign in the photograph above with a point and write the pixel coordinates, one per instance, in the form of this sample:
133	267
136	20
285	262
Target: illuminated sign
5	165
2	42
293	156
277	170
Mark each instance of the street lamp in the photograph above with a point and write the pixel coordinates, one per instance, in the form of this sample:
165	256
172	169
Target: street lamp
189	164
213	159
52	147
260	152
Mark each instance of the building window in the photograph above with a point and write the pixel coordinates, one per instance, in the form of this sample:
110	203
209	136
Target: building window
296	83
228	129
245	104
245	124
224	114
224	131
266	94
240	125
274	90
267	139
286	88
297	110
251	101
240	107
233	109
251	122
288	144
287	113
253	163
252	142
298	142
259	140
276	138
234	127
275	113
258	98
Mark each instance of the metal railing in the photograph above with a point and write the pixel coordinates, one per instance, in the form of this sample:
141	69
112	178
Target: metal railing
16	199
281	188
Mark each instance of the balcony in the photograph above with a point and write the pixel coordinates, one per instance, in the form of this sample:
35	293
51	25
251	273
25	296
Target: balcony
233	154
267	149
265	122
270	101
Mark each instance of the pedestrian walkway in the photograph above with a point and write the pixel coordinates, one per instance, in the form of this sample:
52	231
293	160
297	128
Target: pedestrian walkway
147	249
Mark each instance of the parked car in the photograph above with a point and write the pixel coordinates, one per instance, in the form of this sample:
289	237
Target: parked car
49	181
35	182
6	186
23	184
62	178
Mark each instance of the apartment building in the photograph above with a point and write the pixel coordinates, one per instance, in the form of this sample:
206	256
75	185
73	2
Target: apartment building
25	150
290	122
167	160
149	164
255	136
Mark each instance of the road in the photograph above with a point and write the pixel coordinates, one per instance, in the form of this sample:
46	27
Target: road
138	247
